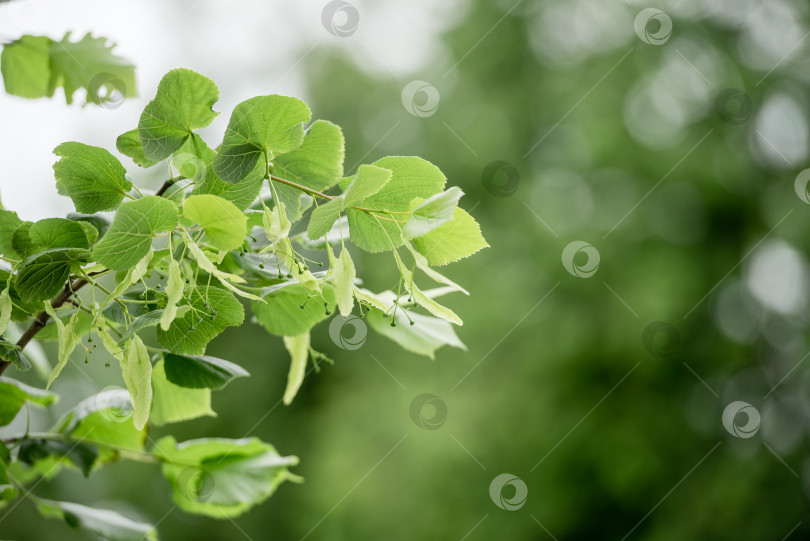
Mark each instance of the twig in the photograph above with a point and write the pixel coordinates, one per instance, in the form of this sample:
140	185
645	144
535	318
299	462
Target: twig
70	288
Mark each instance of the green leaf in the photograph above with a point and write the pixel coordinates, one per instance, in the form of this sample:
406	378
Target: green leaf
25	64
108	524
35	66
323	217
431	213
9	222
459	238
281	313
180	338
201	372
298	348
90	232
172	403
13	394
90	64
318	162
411	178
21	240
368	181
259	126
7	490
220	477
183	104
193	158
149	319
424	337
100	224
80	455
93	178
102	419
129	238
58	233
20	310
129	144
43	275
344	282
11	353
137	370
223	222
242	194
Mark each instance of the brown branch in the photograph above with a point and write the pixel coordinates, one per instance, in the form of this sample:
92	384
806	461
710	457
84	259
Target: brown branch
166	186
70	288
42	318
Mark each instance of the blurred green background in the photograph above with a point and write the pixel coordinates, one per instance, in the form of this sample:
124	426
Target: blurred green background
604	128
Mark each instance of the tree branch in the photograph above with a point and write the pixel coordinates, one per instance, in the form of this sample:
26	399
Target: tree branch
42	318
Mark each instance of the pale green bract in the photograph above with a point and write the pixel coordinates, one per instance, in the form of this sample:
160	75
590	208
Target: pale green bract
431	213
298	348
344	277
258	217
137	370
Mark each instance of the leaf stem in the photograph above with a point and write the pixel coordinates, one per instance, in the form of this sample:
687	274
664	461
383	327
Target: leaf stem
322	195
